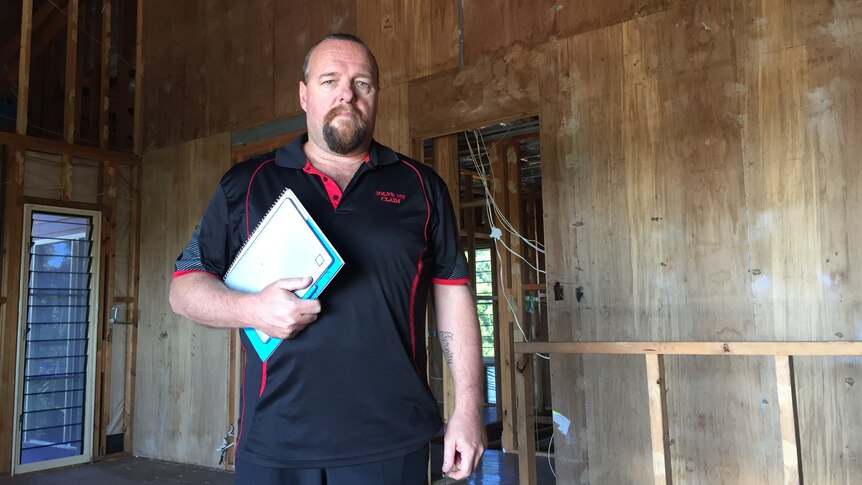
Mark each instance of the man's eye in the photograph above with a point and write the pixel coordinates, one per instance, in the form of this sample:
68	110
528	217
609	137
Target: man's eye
328	82
362	84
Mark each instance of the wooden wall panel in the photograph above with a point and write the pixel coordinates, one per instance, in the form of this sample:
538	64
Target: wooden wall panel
392	119
220	65
187	63
800	96
411	38
700	183
209	68
580	123
504	89
177	368
491	26
159	113
296	26
250	69
435	45
561	247
381	25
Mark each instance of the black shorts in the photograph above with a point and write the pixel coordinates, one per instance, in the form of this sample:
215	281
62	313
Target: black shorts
411	469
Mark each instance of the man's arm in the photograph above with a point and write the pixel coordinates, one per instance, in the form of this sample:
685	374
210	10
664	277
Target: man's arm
275	310
458	330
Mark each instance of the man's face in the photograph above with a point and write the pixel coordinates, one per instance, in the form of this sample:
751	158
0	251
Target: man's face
340	97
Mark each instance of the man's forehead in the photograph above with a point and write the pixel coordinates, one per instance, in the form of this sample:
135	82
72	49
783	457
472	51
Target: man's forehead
336	51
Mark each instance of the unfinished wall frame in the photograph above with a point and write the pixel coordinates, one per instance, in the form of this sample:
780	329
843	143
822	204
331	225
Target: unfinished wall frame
506	190
653	352
73	161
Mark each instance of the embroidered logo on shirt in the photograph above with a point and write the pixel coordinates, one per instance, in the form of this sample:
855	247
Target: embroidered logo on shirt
390	197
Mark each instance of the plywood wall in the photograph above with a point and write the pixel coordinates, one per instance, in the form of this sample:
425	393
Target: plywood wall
182	367
689	150
219	65
687	147
701	181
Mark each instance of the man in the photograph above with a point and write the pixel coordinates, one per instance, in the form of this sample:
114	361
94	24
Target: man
344	400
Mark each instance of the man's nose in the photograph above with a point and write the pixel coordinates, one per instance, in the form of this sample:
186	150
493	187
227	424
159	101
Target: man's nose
345	92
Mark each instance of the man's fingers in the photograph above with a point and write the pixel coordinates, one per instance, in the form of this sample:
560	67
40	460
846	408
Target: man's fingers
467	460
478	457
448	455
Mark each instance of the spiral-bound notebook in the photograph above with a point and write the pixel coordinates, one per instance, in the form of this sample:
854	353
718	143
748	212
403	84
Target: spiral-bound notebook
286	244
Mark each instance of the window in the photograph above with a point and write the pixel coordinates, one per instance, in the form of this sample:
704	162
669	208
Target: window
485	309
58	317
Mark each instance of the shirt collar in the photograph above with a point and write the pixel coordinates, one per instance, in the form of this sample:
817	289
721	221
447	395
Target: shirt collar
293	156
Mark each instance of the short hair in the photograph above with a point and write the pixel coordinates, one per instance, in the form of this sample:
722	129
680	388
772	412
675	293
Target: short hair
339	36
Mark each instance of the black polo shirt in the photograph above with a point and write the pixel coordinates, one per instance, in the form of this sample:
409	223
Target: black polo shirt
352	386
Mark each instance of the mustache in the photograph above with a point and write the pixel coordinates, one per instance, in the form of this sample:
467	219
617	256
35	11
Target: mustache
339	110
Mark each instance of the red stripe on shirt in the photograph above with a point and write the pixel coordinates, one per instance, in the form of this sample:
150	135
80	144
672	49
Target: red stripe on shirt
262	379
441	281
248	193
177	274
415	284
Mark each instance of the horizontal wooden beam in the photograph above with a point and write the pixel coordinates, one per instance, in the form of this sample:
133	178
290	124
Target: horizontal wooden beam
694	348
32	143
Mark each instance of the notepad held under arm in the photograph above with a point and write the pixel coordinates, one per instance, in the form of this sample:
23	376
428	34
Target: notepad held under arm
286	244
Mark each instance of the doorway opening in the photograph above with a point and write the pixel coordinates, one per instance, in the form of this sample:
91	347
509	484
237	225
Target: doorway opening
499	199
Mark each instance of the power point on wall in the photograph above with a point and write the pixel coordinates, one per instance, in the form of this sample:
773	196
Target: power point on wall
558	291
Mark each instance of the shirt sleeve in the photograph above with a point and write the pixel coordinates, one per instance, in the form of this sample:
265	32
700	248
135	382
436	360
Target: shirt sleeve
450	264
208	250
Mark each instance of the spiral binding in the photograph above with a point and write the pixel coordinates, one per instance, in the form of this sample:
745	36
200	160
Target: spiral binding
280	200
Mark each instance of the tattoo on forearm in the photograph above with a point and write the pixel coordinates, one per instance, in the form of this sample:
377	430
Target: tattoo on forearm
445	340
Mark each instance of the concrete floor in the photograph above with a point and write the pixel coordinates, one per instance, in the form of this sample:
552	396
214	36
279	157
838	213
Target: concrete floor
497	468
124	470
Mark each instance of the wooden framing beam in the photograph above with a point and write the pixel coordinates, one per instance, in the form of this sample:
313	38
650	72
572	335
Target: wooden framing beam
133	309
139	82
63	148
108	202
525	419
71	72
245	151
658	419
506	328
234	370
13	222
837	348
446	165
24	67
37	18
105	81
786	385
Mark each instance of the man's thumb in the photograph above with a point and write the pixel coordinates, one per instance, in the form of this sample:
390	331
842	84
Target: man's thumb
291	284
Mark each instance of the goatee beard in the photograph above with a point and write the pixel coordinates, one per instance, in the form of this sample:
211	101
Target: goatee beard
344	143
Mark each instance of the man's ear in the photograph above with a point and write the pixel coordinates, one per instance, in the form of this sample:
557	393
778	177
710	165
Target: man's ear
303	93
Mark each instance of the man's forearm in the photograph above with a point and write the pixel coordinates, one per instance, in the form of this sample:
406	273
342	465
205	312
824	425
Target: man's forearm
206	300
460	339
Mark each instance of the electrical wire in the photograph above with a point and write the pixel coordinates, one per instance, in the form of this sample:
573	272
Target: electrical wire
492	209
97	41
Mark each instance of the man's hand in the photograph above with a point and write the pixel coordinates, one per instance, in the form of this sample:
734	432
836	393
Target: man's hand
281	314
464	443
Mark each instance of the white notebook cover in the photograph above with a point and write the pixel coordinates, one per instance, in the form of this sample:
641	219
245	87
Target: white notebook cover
286	244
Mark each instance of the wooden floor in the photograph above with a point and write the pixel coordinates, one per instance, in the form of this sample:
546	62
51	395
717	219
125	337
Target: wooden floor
496	468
